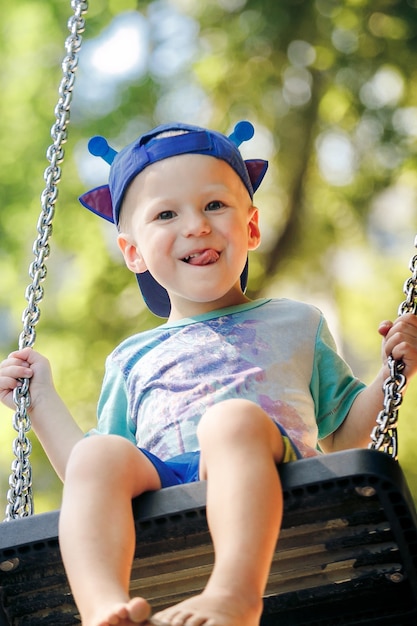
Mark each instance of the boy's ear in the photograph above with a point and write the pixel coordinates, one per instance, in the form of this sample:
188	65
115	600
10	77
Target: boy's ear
254	233
131	254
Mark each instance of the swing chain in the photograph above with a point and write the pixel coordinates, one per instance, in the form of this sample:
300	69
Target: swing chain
410	289
384	435
19	496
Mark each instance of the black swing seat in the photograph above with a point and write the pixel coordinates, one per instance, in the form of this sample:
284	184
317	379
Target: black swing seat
347	553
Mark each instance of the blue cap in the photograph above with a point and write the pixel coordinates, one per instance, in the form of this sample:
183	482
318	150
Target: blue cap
106	201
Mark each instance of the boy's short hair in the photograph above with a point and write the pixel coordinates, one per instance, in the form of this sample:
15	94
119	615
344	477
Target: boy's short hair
161	143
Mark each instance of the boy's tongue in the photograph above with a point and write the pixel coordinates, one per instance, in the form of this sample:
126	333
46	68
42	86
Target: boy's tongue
204	258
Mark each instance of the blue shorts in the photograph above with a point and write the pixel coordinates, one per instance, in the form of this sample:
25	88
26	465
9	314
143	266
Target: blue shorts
184	468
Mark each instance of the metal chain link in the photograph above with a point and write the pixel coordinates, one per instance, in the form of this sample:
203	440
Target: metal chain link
19	496
384	435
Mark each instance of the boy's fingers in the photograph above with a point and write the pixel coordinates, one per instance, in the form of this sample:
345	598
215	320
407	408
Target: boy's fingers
12	362
384	327
20	354
405	324
16	372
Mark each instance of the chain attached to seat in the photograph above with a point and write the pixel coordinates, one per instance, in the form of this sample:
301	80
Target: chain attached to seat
19	496
384	435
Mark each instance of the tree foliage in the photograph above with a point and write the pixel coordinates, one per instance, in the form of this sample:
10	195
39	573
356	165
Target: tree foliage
331	90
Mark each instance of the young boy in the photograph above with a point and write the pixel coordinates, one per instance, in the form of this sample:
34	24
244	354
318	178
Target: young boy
224	391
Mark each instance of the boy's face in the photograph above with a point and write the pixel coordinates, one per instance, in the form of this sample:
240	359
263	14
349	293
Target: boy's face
191	224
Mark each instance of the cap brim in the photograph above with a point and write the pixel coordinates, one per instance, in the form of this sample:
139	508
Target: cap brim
155	296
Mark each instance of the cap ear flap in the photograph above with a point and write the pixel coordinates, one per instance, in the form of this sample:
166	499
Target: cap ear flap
98	201
256	170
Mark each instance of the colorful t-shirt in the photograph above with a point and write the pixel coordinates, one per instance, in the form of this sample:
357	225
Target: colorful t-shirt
276	353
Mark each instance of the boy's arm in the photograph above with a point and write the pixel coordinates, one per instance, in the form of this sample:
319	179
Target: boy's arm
400	341
52	422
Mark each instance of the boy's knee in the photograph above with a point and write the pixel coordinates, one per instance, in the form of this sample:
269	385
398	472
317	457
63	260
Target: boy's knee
236	418
111	460
237	426
94	453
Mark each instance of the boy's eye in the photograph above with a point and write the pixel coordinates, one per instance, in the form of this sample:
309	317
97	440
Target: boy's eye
215	205
165	215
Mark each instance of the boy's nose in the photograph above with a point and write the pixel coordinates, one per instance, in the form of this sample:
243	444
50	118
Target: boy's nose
196	224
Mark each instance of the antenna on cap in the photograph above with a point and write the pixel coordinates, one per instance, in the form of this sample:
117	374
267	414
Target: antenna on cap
243	131
98	146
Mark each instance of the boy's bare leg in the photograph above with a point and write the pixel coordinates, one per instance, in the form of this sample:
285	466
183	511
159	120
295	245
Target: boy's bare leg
240	448
97	534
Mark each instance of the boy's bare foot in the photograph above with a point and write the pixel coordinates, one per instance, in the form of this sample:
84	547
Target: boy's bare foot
135	611
211	609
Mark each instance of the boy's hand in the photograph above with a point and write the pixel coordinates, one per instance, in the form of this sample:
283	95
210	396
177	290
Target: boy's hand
400	341
25	363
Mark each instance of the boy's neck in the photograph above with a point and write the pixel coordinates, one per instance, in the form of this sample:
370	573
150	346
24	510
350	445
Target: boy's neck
184	308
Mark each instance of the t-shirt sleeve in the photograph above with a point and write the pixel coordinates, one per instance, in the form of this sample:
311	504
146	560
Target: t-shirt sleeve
113	408
333	385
